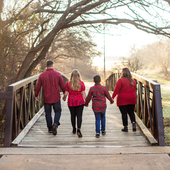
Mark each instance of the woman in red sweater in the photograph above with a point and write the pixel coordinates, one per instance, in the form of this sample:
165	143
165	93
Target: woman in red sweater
76	90
126	98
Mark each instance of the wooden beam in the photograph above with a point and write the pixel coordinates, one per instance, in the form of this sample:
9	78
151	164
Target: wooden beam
23	133
6	96
146	132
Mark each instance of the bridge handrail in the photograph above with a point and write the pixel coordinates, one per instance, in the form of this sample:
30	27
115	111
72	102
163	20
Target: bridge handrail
21	106
149	103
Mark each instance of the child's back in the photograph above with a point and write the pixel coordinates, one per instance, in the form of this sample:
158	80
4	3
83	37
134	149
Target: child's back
98	93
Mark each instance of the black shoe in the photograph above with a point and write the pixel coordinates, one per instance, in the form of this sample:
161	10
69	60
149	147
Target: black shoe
134	126
54	129
79	133
97	135
125	129
74	131
103	133
50	130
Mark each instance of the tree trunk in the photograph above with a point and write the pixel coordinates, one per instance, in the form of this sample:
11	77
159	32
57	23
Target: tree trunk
38	59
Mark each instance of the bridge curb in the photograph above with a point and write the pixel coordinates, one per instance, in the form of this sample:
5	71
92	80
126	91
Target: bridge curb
27	128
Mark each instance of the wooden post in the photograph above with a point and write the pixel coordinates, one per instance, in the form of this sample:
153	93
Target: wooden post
159	115
8	119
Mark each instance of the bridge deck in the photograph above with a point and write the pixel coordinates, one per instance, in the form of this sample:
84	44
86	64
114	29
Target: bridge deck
38	136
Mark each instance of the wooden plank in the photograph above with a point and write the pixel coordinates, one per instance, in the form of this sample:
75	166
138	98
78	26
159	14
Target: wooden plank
6	96
113	143
23	133
80	146
146	132
38	135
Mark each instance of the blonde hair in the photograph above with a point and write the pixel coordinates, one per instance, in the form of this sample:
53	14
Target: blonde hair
75	78
126	73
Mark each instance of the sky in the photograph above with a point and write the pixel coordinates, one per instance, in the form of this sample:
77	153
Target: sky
119	42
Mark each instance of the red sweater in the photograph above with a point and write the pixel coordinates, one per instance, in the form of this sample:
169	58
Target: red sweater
75	98
50	81
126	94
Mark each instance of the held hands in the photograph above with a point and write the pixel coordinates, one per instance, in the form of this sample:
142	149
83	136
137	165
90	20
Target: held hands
37	98
65	95
86	104
111	102
64	98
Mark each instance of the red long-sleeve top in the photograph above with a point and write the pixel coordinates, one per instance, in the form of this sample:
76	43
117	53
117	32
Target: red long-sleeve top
126	94
75	98
50	81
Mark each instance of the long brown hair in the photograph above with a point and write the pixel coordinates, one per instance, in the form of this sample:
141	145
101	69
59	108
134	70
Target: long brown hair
126	73
75	78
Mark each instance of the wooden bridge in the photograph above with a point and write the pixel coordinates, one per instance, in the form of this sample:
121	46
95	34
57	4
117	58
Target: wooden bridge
38	135
26	126
28	145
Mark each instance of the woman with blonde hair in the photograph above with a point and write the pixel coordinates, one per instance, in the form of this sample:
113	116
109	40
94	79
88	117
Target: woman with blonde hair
126	98
75	88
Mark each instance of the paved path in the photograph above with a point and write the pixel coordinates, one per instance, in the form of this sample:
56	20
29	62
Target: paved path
110	158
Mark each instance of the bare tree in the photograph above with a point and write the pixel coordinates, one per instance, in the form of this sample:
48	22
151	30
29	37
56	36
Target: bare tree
152	56
134	61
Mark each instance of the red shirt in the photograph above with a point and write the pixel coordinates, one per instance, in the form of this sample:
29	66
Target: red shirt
75	98
98	93
50	81
126	94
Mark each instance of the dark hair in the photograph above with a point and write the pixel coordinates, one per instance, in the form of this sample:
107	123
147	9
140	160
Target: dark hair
50	63
126	73
97	79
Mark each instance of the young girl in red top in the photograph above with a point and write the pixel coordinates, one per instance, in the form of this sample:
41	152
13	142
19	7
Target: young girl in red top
76	90
126	98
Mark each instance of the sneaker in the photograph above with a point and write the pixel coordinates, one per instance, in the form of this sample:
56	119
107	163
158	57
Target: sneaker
103	133
74	131
125	129
54	129
97	135
134	126
50	130
79	133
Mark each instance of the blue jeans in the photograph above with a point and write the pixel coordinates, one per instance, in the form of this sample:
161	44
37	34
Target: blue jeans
100	116
57	113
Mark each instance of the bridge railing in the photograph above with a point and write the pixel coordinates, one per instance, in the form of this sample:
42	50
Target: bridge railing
149	103
21	106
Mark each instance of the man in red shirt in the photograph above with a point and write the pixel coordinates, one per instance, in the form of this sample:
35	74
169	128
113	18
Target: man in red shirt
99	93
50	81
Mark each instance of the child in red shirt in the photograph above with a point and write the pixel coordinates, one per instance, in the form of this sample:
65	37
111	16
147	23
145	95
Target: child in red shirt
76	90
98	93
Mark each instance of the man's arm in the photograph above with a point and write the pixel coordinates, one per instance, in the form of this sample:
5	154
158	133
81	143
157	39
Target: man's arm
65	95
61	83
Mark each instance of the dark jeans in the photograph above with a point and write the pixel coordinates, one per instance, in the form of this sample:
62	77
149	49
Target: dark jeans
127	109
57	113
76	111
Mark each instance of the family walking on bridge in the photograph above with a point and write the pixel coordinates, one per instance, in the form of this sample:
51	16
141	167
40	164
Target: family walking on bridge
51	81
